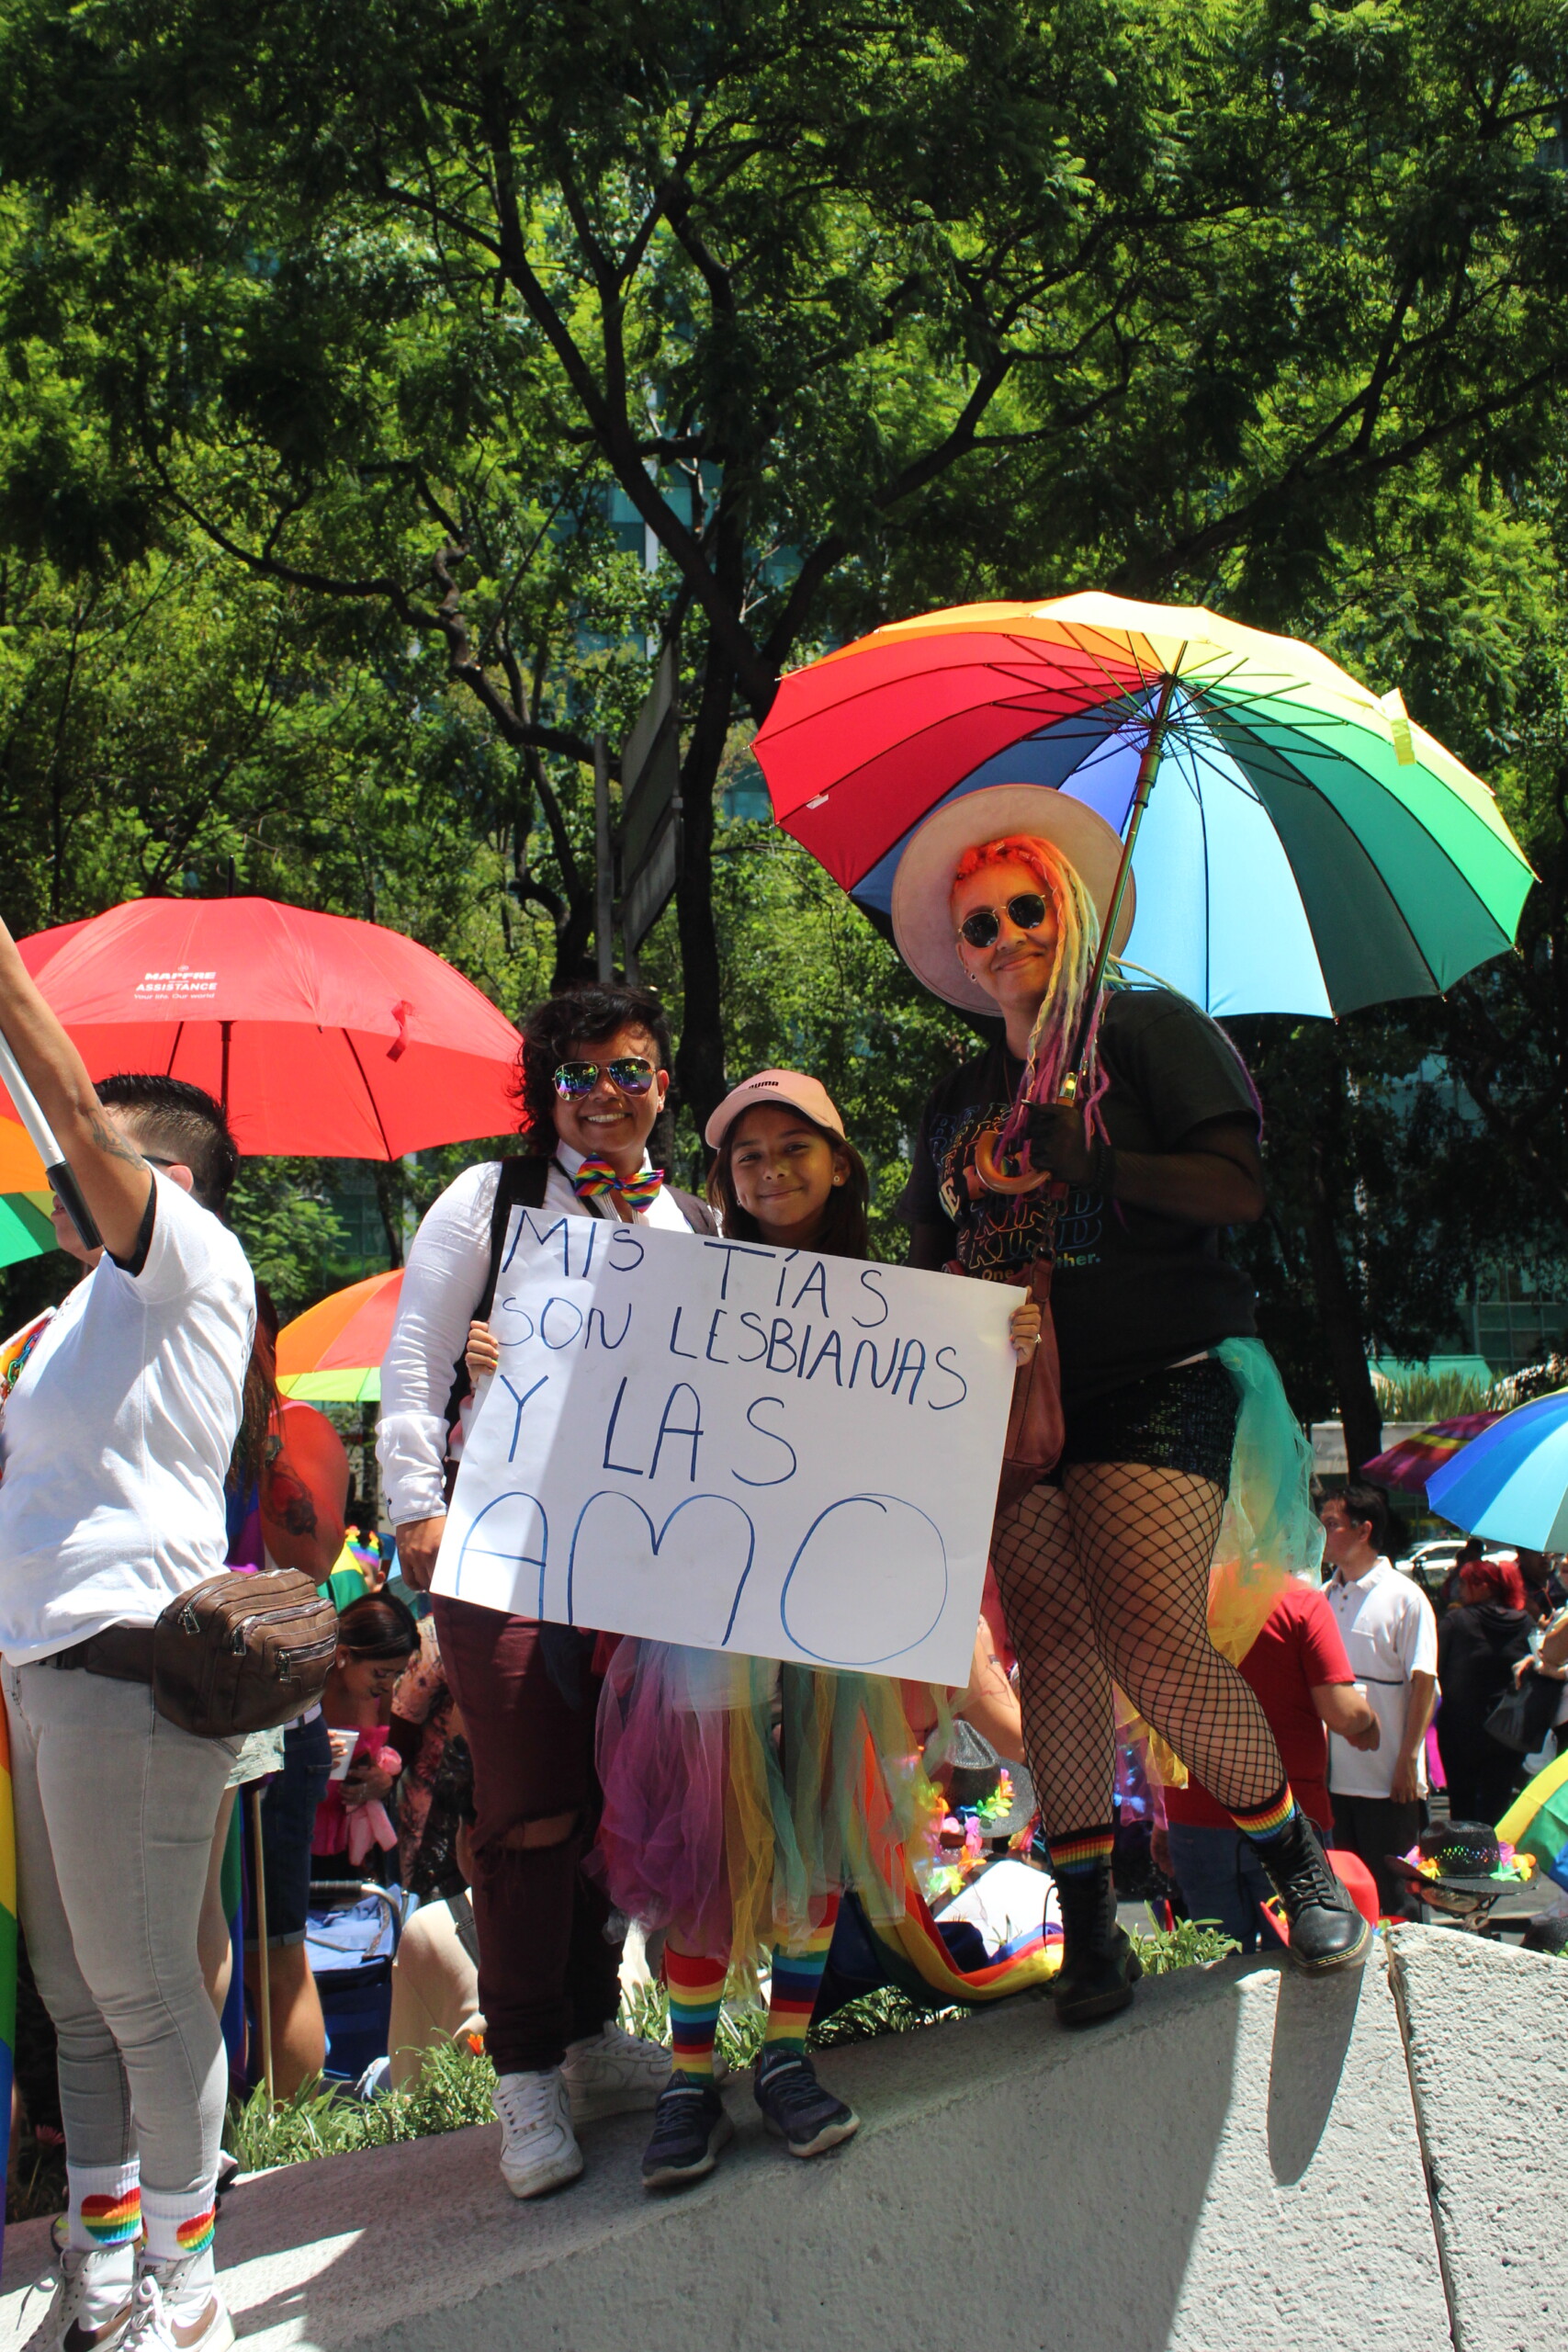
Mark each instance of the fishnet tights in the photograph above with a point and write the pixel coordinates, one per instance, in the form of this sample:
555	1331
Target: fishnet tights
1108	1577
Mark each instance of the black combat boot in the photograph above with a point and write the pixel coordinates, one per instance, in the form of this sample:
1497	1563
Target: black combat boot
1326	1929
1099	1966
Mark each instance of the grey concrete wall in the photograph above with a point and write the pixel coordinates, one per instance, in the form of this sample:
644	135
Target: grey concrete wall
1232	2167
1486	2031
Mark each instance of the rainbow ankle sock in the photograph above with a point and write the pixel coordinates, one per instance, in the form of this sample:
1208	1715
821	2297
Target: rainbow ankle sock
179	2225
695	1985
105	2204
1078	1853
797	1977
1268	1822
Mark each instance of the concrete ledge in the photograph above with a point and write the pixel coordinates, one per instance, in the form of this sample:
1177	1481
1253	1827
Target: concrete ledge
1487	2031
1232	2167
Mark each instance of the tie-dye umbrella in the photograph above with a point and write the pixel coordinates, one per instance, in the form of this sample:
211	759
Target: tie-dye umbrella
1300	845
1413	1459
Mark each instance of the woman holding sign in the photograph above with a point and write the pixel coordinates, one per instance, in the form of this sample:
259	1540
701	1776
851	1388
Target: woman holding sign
742	1795
1104	1563
595	1071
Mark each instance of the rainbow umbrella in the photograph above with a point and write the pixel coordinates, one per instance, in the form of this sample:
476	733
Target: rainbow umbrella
1511	1482
1413	1461
1537	1821
1308	848
331	1355
26	1231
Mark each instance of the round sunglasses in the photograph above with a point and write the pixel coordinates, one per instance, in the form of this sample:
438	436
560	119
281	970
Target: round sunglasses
631	1073
983	928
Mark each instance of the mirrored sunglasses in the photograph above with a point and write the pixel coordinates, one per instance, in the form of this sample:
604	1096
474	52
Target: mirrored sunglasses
983	928
631	1073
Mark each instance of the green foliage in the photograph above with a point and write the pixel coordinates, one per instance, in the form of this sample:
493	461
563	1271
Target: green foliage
353	369
294	1241
1431	1396
1189	1944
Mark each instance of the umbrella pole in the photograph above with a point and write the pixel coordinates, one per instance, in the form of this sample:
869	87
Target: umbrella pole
1148	768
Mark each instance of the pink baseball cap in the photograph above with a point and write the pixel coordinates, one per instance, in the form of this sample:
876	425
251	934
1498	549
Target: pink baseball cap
788	1088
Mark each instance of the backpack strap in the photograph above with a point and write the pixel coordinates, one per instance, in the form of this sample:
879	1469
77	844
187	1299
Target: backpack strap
520	1183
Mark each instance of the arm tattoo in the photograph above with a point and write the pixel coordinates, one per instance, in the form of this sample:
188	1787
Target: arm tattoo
114	1145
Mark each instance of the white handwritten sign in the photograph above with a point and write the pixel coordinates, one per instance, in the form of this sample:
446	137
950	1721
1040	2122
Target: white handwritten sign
739	1448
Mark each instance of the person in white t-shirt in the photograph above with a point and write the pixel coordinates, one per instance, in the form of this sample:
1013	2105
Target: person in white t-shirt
118	1433
1391	1638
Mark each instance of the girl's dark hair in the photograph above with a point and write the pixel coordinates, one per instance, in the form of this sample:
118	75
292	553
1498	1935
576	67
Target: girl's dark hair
585	1014
377	1626
846	1228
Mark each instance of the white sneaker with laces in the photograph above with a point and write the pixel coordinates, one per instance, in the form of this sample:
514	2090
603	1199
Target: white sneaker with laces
539	2148
177	2308
613	2072
89	2309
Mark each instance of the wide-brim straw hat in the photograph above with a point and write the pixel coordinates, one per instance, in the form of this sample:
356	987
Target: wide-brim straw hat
922	888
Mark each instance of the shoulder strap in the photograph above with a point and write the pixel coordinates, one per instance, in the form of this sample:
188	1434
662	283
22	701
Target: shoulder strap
520	1184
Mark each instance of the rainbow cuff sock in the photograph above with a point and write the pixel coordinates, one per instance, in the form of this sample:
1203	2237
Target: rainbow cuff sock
180	2227
1270	1821
1080	1852
796	1978
106	2205
695	1985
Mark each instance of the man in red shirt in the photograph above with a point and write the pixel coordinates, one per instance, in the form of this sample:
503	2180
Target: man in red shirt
1302	1676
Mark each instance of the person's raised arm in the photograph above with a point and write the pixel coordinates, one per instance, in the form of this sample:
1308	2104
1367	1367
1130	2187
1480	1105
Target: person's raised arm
116	1181
1213	1177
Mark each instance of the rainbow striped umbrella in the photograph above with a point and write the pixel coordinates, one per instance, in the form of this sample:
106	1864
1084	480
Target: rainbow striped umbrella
26	1231
1537	1821
1412	1462
1301	844
331	1355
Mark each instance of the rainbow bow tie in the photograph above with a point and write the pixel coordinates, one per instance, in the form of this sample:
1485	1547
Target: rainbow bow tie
596	1176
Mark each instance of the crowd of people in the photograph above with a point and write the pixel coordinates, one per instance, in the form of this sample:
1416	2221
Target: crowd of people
543	1784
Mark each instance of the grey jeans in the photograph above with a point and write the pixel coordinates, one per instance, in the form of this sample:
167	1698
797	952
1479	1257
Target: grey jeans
116	1810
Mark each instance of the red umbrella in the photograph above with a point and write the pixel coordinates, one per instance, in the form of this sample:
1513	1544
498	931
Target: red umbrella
320	1035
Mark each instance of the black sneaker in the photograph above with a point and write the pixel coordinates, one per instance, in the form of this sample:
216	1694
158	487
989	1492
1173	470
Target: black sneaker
689	2127
795	2107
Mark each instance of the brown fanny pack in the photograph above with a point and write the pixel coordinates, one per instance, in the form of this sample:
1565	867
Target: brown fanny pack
235	1654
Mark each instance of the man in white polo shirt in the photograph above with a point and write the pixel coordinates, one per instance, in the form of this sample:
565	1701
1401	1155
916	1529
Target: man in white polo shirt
1391	1638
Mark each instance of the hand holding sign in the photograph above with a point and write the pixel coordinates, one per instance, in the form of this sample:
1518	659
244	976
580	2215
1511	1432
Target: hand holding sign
730	1446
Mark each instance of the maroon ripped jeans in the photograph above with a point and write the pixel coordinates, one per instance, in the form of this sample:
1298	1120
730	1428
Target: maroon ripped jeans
547	1975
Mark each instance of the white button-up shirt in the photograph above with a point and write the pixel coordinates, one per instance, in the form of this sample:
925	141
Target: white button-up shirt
443	1283
1390	1633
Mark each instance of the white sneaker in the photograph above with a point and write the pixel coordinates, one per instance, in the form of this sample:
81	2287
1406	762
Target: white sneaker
177	2308
538	2150
613	2072
89	2310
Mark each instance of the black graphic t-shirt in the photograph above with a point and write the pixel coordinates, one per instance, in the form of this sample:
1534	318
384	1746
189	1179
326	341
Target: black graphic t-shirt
1133	1291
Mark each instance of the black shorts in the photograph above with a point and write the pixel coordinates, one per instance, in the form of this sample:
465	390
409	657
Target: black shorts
1183	1418
289	1822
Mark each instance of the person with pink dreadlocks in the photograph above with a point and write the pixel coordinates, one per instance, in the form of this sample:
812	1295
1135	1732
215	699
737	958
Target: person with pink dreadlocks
1104	1565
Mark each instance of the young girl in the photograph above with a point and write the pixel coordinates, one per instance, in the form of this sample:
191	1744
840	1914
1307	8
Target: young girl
738	1792
376	1637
